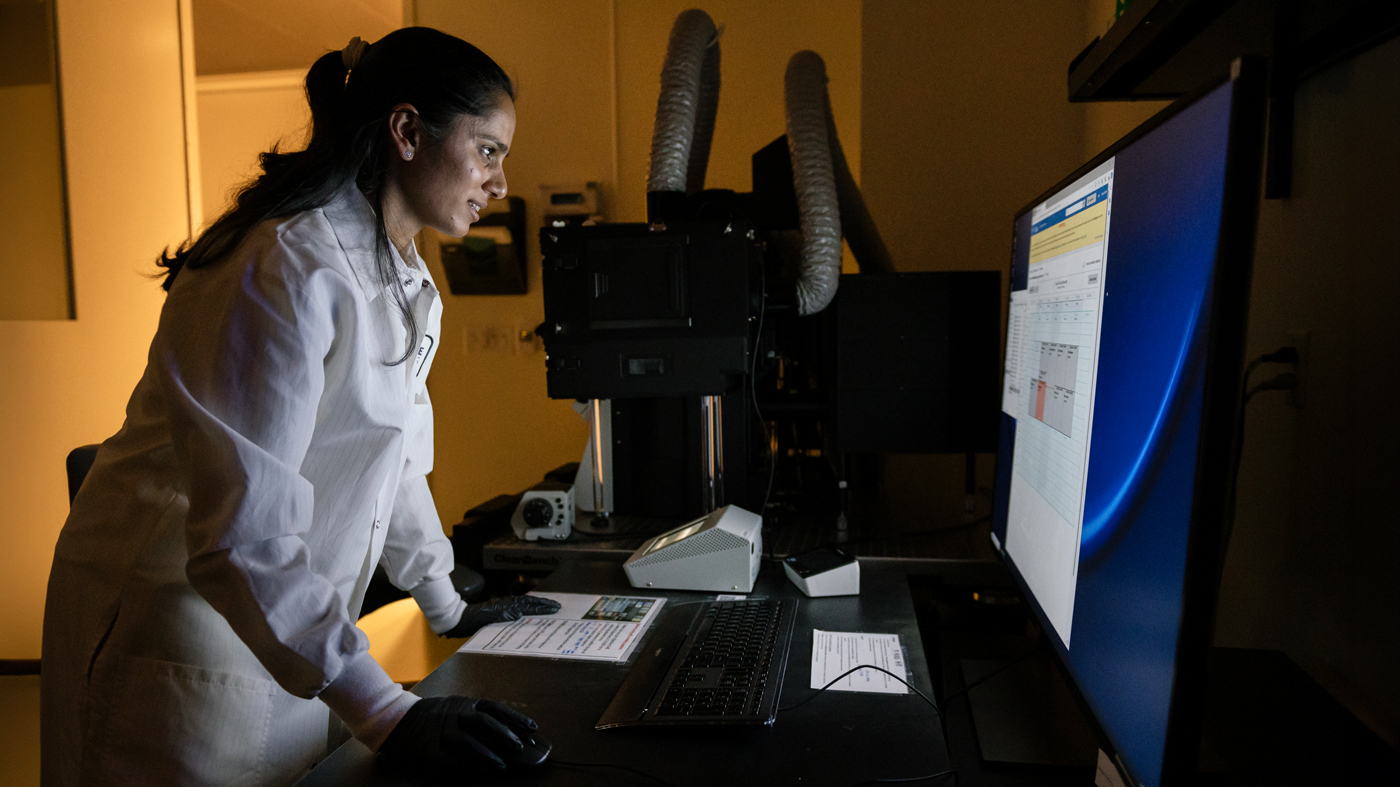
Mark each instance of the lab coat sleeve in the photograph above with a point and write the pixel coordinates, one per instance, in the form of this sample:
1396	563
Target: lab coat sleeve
417	556
241	355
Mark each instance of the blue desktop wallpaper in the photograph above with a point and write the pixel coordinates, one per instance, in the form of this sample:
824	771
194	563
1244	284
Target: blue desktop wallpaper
1163	230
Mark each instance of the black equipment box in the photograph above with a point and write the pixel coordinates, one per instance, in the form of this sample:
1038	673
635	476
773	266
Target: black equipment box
917	362
637	310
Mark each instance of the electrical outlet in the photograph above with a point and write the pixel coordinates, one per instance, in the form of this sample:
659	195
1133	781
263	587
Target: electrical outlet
1299	340
488	340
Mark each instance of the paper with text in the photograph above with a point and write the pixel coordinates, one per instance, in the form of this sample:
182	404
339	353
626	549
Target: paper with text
587	627
834	652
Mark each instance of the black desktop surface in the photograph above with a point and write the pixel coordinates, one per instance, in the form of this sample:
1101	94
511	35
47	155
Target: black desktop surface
837	739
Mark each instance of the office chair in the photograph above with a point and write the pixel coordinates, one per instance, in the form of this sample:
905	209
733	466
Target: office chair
79	463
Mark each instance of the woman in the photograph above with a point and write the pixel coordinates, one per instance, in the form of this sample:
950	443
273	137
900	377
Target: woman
200	619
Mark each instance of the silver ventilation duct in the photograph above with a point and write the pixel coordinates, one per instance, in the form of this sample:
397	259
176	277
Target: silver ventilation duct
685	112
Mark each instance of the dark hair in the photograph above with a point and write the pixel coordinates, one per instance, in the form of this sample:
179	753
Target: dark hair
442	76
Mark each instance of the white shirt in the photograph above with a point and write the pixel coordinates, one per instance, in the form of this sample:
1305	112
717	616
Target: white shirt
215	560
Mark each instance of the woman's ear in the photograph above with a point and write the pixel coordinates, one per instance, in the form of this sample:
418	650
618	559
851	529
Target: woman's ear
405	135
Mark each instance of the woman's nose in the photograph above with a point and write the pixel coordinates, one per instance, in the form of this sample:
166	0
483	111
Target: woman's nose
496	185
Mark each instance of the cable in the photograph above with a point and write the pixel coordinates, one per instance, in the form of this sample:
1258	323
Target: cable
753	395
907	779
642	774
1287	381
753	387
1283	382
969	687
857	668
925	697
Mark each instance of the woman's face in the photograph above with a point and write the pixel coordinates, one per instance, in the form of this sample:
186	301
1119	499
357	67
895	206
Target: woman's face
447	182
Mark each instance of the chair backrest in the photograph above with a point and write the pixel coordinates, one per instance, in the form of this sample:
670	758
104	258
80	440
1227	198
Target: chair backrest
80	461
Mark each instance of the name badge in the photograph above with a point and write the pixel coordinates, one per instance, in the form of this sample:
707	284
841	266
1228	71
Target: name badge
425	350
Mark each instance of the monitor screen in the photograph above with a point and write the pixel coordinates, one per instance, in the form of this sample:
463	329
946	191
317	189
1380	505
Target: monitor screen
1113	336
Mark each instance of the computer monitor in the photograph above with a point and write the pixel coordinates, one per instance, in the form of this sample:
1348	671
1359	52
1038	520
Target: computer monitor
1124	340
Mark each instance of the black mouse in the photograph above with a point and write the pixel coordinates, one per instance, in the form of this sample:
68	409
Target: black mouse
535	751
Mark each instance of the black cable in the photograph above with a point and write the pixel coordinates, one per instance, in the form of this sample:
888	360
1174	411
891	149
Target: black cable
753	388
907	779
857	668
1285	381
969	687
647	776
925	697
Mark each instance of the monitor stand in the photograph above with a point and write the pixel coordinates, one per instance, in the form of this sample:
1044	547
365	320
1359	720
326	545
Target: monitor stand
1026	714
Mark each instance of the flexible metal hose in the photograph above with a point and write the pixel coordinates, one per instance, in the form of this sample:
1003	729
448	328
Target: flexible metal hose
804	98
829	202
685	111
857	225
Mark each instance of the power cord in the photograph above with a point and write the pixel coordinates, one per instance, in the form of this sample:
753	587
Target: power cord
1286	381
947	698
923	696
896	780
858	668
753	387
907	779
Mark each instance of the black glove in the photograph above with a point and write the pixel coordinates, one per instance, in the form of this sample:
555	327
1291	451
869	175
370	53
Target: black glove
499	610
449	733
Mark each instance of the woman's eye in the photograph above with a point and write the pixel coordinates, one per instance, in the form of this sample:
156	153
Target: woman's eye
488	153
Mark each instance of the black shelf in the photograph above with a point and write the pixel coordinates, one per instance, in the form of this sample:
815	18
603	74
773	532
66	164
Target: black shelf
1163	49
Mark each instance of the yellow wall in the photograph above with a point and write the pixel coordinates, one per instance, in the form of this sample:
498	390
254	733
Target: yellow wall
66	382
757	41
496	431
964	120
240	116
33	264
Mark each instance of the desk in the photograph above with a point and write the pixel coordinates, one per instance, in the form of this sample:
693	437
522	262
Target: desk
958	554
838	738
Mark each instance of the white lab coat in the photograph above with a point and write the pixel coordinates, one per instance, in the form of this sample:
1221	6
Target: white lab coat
205	586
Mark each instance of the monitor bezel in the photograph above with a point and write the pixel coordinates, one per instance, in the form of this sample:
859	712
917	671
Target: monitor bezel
1209	525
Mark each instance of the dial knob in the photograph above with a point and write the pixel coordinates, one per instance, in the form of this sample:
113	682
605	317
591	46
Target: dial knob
538	512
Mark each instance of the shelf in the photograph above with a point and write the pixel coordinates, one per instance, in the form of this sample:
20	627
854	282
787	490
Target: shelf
1162	49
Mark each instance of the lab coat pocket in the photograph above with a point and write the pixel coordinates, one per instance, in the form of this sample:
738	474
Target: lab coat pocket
157	722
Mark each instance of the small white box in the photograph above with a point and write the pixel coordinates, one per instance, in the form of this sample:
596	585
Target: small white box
829	571
546	511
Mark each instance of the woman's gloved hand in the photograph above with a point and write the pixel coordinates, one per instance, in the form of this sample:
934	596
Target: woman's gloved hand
450	733
500	610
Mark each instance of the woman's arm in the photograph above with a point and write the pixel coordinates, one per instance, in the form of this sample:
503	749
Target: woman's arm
242	349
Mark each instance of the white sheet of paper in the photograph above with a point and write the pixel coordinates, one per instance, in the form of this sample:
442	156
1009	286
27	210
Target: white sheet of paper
588	627
834	652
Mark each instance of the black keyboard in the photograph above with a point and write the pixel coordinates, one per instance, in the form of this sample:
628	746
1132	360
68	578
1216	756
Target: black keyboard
728	668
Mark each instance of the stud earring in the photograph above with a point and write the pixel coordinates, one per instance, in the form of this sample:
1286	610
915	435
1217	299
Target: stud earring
407	154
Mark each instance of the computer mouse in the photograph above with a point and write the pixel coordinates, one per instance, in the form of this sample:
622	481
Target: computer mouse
535	751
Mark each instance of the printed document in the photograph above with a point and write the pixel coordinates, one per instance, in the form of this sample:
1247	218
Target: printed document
834	652
587	627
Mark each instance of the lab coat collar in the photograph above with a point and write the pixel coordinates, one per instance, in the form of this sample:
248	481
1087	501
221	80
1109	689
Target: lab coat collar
354	222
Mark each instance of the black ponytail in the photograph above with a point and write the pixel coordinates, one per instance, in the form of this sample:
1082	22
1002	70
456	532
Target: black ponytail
442	76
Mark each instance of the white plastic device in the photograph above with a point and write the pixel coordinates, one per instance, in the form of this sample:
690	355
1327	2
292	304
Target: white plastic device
829	571
545	511
719	552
